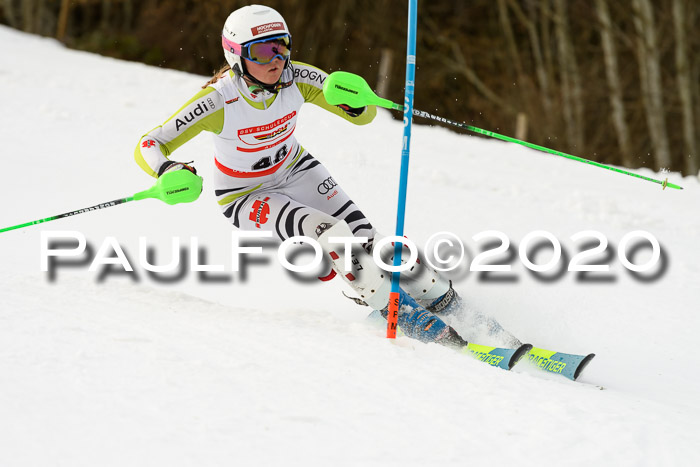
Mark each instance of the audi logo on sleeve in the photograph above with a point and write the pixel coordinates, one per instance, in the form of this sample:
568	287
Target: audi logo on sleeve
326	186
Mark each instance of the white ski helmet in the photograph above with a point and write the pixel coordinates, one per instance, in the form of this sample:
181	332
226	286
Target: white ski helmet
253	22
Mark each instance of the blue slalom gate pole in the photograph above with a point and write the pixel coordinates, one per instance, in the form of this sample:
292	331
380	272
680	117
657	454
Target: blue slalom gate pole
393	315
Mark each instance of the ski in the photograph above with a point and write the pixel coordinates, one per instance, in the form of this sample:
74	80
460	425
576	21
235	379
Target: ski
551	361
565	364
497	356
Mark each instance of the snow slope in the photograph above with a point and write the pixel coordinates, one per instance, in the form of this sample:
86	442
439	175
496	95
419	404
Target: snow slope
268	369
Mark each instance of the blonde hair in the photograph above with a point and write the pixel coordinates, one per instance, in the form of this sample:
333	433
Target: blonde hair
218	75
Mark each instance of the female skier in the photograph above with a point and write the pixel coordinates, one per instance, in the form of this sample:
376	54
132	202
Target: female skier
265	180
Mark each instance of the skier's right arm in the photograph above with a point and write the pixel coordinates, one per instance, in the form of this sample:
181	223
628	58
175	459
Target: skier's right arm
205	111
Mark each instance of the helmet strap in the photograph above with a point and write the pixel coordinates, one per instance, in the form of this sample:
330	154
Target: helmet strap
247	76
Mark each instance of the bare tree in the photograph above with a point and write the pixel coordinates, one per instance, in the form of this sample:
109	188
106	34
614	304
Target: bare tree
612	73
63	20
572	95
545	22
44	19
10	12
28	15
128	15
105	15
535	45
384	72
684	87
514	54
650	77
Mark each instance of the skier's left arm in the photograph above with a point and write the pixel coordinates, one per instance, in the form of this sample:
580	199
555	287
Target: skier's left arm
309	80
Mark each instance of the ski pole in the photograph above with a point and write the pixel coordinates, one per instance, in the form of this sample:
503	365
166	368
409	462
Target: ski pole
181	186
346	88
394	295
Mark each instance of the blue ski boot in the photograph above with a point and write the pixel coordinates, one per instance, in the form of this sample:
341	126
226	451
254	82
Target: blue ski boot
447	304
418	323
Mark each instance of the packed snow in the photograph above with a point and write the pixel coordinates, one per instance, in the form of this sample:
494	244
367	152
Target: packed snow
116	368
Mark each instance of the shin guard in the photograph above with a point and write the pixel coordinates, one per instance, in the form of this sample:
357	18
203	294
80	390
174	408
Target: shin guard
364	276
422	282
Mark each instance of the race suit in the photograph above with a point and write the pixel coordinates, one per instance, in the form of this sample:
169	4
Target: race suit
265	180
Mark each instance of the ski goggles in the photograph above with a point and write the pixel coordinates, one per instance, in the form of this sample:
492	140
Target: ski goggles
262	51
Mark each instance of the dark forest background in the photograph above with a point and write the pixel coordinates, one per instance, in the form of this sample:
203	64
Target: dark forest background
616	81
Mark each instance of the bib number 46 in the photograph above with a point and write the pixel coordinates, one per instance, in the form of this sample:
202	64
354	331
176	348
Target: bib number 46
267	162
